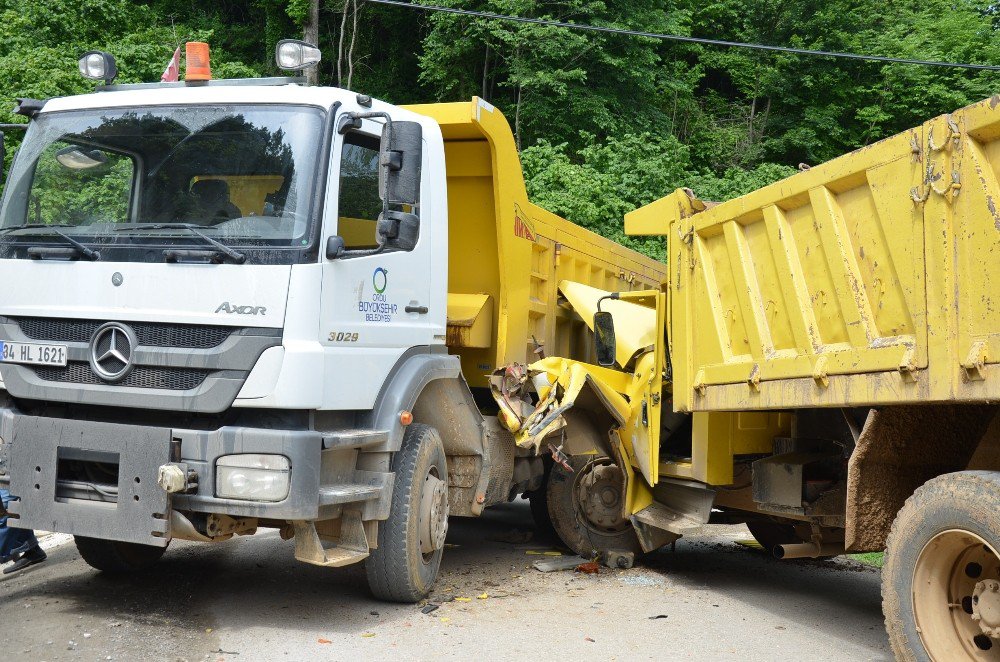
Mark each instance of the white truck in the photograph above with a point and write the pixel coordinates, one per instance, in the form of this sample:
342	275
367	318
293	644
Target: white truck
239	304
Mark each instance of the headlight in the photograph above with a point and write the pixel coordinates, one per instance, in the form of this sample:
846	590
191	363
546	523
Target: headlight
98	65
253	477
294	54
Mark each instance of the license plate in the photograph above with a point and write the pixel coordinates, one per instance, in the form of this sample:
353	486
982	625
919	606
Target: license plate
33	353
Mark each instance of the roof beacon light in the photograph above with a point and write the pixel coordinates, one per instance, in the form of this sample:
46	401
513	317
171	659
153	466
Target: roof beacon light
196	57
293	55
98	65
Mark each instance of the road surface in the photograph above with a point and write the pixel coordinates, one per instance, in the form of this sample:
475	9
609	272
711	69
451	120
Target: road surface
248	599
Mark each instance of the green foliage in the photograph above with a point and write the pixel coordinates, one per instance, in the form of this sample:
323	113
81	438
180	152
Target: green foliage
298	11
606	122
608	179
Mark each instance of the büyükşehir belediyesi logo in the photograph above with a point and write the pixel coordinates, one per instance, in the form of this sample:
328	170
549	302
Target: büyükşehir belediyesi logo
380	280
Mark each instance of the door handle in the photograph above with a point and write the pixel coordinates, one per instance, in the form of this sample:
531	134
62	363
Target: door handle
416	309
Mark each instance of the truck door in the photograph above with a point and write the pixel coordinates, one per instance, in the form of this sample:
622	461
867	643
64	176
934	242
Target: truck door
374	307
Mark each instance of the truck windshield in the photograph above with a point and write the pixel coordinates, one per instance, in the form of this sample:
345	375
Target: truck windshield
123	180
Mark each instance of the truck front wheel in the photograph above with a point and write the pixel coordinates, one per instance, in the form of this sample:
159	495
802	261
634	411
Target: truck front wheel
115	557
586	506
941	579
405	564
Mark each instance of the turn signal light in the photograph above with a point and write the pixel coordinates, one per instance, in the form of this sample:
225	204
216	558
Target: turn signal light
196	55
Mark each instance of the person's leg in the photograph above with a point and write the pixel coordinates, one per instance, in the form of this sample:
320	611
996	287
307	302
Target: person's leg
19	545
8	541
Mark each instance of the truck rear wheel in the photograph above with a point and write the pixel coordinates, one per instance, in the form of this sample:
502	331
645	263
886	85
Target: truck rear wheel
115	557
586	506
941	578
404	566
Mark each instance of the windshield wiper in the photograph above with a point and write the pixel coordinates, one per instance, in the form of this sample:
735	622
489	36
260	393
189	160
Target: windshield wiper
36	252
34	226
234	255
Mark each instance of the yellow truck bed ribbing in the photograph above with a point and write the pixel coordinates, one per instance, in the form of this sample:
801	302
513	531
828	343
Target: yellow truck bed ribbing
869	279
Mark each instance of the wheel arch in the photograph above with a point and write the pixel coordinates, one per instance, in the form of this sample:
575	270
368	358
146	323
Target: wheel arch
901	448
402	389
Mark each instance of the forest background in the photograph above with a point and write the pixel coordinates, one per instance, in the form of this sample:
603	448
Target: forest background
604	122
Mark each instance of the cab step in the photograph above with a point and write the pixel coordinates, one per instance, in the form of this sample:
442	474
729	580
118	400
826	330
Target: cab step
354	439
351	548
335	494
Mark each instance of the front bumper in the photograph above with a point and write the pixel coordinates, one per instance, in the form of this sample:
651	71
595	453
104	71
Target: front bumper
139	510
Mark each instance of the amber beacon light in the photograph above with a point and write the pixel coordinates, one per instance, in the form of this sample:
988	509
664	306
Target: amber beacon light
196	55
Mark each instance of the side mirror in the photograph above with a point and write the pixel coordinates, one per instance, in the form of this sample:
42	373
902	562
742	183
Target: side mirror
399	158
399	229
334	247
604	338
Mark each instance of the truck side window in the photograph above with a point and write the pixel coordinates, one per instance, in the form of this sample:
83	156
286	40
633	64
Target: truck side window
359	205
81	185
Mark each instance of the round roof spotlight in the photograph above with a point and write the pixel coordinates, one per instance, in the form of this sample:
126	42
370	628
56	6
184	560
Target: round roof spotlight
294	55
98	65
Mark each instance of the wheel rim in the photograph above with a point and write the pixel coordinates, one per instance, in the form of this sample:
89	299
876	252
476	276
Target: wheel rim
956	597
432	525
597	489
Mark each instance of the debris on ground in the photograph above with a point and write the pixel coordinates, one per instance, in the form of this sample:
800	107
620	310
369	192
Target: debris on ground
483	596
588	568
367	635
323	641
653	618
589	639
543	552
640	580
555	564
460	599
428	608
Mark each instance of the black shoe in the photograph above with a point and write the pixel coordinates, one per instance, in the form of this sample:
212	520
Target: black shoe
30	557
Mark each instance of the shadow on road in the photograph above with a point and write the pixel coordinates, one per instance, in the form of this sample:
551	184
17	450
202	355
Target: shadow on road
256	582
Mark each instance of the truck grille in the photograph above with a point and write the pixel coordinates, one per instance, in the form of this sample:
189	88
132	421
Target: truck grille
173	379
193	336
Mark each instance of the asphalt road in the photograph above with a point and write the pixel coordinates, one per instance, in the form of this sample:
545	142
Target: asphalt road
248	599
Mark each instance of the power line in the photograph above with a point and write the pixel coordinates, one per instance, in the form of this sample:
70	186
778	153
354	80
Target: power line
682	38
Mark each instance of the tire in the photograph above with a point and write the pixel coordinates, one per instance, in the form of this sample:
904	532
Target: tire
572	525
940	555
117	558
398	570
540	514
539	503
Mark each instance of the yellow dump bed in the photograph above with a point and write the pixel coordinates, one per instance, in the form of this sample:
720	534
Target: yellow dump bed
506	256
870	279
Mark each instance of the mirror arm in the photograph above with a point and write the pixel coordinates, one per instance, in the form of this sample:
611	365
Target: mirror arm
613	295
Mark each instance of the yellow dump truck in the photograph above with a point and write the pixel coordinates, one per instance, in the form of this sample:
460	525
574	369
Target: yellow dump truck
820	364
262	304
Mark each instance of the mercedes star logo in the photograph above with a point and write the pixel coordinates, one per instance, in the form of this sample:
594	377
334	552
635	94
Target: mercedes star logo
111	352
